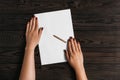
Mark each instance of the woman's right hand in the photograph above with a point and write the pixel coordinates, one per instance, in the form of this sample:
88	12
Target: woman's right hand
74	54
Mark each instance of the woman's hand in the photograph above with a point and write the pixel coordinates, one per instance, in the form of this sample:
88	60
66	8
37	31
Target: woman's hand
32	38
74	54
33	34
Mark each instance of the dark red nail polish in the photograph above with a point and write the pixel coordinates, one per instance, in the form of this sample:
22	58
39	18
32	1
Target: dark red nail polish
42	28
70	37
64	51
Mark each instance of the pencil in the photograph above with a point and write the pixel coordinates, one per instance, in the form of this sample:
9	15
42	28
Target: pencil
59	38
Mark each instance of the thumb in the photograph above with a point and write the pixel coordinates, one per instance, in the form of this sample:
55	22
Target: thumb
66	54
40	32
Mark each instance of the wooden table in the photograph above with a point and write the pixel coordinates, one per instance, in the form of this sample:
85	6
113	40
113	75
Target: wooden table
96	26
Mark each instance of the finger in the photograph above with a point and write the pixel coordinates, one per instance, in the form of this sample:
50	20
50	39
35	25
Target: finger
27	28
36	24
69	48
33	23
72	45
40	32
75	44
68	45
79	47
67	54
30	27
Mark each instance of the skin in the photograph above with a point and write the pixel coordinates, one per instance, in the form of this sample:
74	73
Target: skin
33	35
73	53
75	58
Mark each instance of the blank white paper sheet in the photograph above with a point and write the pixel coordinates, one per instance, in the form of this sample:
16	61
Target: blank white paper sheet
57	23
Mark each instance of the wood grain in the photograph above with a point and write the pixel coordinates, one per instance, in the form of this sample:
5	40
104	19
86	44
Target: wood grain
96	26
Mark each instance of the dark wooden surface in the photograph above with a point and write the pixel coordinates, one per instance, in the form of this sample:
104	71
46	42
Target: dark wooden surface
96	25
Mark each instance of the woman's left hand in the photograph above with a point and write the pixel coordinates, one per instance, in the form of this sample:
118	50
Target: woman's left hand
33	33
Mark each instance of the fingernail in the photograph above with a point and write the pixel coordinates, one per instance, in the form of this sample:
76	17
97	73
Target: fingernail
64	50
70	37
42	28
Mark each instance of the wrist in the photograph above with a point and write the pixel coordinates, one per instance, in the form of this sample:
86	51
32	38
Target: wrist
29	48
80	73
79	68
